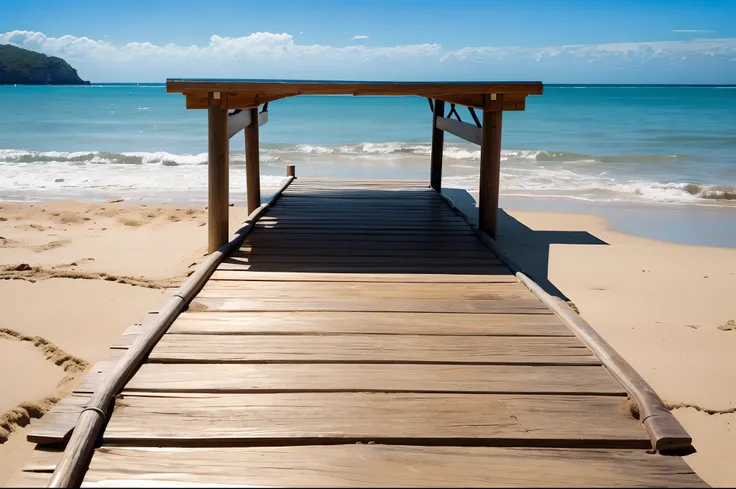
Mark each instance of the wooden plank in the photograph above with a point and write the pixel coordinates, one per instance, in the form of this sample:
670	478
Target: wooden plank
378	226
252	164
503	275
179	348
398	233
368	269
463	130
42	459
276	290
365	219
386	466
269	378
58	422
267	244
360	251
307	418
516	306
218	170
490	168
358	261
366	237
245	323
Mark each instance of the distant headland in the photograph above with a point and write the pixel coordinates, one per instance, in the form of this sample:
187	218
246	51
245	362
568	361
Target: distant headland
23	67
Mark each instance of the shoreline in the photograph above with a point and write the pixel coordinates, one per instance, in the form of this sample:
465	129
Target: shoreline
642	295
699	224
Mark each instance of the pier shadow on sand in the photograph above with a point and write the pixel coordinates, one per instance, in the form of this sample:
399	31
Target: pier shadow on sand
525	246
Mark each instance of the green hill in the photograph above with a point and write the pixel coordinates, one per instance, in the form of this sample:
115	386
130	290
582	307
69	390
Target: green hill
24	67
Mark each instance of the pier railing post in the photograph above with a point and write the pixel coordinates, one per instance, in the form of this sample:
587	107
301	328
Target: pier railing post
252	163
438	143
490	167
218	175
291	171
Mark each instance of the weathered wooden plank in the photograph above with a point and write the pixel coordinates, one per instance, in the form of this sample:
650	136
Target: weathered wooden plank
365	238
355	225
234	323
276	290
266	243
58	422
486	419
386	466
359	251
269	378
425	233
42	459
367	268
500	275
511	306
179	348
359	261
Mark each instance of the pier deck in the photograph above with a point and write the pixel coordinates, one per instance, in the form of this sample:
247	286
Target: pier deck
362	335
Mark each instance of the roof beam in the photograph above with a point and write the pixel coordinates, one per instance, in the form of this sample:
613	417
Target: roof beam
463	130
241	120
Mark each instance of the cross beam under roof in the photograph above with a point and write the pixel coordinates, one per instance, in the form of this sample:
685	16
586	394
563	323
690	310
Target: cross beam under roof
241	94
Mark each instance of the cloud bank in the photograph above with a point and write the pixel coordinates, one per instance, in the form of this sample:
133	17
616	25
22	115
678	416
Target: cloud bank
274	55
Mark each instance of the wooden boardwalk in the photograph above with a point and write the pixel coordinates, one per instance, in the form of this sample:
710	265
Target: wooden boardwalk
363	336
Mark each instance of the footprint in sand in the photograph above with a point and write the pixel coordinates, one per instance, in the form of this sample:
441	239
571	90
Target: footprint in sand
50	246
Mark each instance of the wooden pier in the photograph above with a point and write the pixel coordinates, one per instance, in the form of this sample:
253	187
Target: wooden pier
359	333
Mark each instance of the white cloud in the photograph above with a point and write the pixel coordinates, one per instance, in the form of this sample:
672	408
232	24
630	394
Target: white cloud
355	38
279	55
692	31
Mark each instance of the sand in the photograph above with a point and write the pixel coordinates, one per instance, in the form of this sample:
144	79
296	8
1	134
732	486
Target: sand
664	307
78	274
659	304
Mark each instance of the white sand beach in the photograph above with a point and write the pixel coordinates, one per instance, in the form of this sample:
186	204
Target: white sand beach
96	268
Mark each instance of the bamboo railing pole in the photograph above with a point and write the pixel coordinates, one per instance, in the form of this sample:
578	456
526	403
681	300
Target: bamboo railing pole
665	432
74	461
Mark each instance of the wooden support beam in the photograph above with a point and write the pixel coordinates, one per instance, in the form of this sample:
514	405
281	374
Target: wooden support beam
291	171
490	170
218	175
463	130
252	163
238	122
438	144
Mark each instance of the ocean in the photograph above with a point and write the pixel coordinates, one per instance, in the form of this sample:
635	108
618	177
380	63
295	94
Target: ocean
664	146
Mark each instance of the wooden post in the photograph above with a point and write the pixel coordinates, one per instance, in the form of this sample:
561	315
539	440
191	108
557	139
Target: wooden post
291	171
490	170
438	144
218	174
252	163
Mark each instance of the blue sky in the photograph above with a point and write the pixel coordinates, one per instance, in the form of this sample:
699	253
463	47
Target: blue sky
573	41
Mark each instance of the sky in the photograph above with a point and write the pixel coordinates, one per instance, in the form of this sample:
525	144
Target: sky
563	41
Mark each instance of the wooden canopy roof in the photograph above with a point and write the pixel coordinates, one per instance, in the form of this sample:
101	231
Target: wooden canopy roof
242	94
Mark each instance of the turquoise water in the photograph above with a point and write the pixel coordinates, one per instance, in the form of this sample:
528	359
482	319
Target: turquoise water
664	145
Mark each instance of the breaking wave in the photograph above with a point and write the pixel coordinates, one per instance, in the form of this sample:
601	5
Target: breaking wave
538	173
